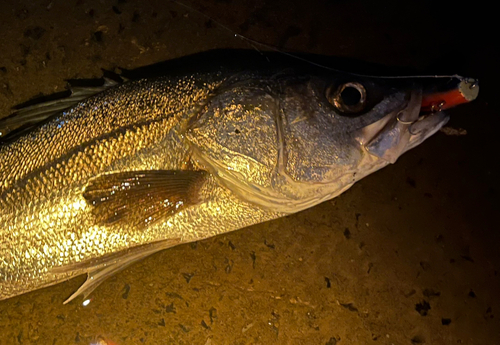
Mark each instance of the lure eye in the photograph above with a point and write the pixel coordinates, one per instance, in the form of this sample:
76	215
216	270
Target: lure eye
348	98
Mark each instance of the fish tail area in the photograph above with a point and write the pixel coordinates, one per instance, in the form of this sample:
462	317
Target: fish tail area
34	112
100	269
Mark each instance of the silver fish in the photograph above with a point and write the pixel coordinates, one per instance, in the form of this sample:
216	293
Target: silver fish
113	174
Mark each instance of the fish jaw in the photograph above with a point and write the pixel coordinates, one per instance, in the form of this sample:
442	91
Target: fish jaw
399	132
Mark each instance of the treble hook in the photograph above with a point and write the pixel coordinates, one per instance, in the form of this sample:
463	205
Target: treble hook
473	82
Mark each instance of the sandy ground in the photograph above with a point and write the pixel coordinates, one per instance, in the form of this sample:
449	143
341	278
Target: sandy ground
407	256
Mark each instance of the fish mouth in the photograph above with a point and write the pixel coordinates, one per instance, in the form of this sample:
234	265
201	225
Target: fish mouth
421	117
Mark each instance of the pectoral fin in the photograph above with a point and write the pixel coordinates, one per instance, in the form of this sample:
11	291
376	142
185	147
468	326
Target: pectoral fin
143	197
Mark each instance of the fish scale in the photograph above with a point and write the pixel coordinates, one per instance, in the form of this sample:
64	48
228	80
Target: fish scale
63	165
152	163
130	103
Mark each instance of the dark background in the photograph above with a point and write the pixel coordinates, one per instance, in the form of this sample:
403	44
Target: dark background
407	256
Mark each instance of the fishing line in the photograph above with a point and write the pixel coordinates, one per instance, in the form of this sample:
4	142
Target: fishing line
253	43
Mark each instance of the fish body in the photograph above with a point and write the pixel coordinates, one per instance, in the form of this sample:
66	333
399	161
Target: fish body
152	163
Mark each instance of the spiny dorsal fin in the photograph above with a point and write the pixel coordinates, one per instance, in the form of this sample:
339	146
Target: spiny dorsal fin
142	197
26	117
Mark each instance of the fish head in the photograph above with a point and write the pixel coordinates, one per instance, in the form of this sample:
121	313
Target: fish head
289	141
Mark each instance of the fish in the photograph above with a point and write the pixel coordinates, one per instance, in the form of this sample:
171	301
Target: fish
93	182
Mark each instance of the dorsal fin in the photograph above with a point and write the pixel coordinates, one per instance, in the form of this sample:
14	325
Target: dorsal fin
32	113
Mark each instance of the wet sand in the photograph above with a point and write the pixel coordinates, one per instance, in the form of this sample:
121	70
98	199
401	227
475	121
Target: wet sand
409	255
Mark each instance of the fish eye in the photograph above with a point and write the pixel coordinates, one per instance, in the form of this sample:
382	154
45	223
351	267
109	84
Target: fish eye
348	98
